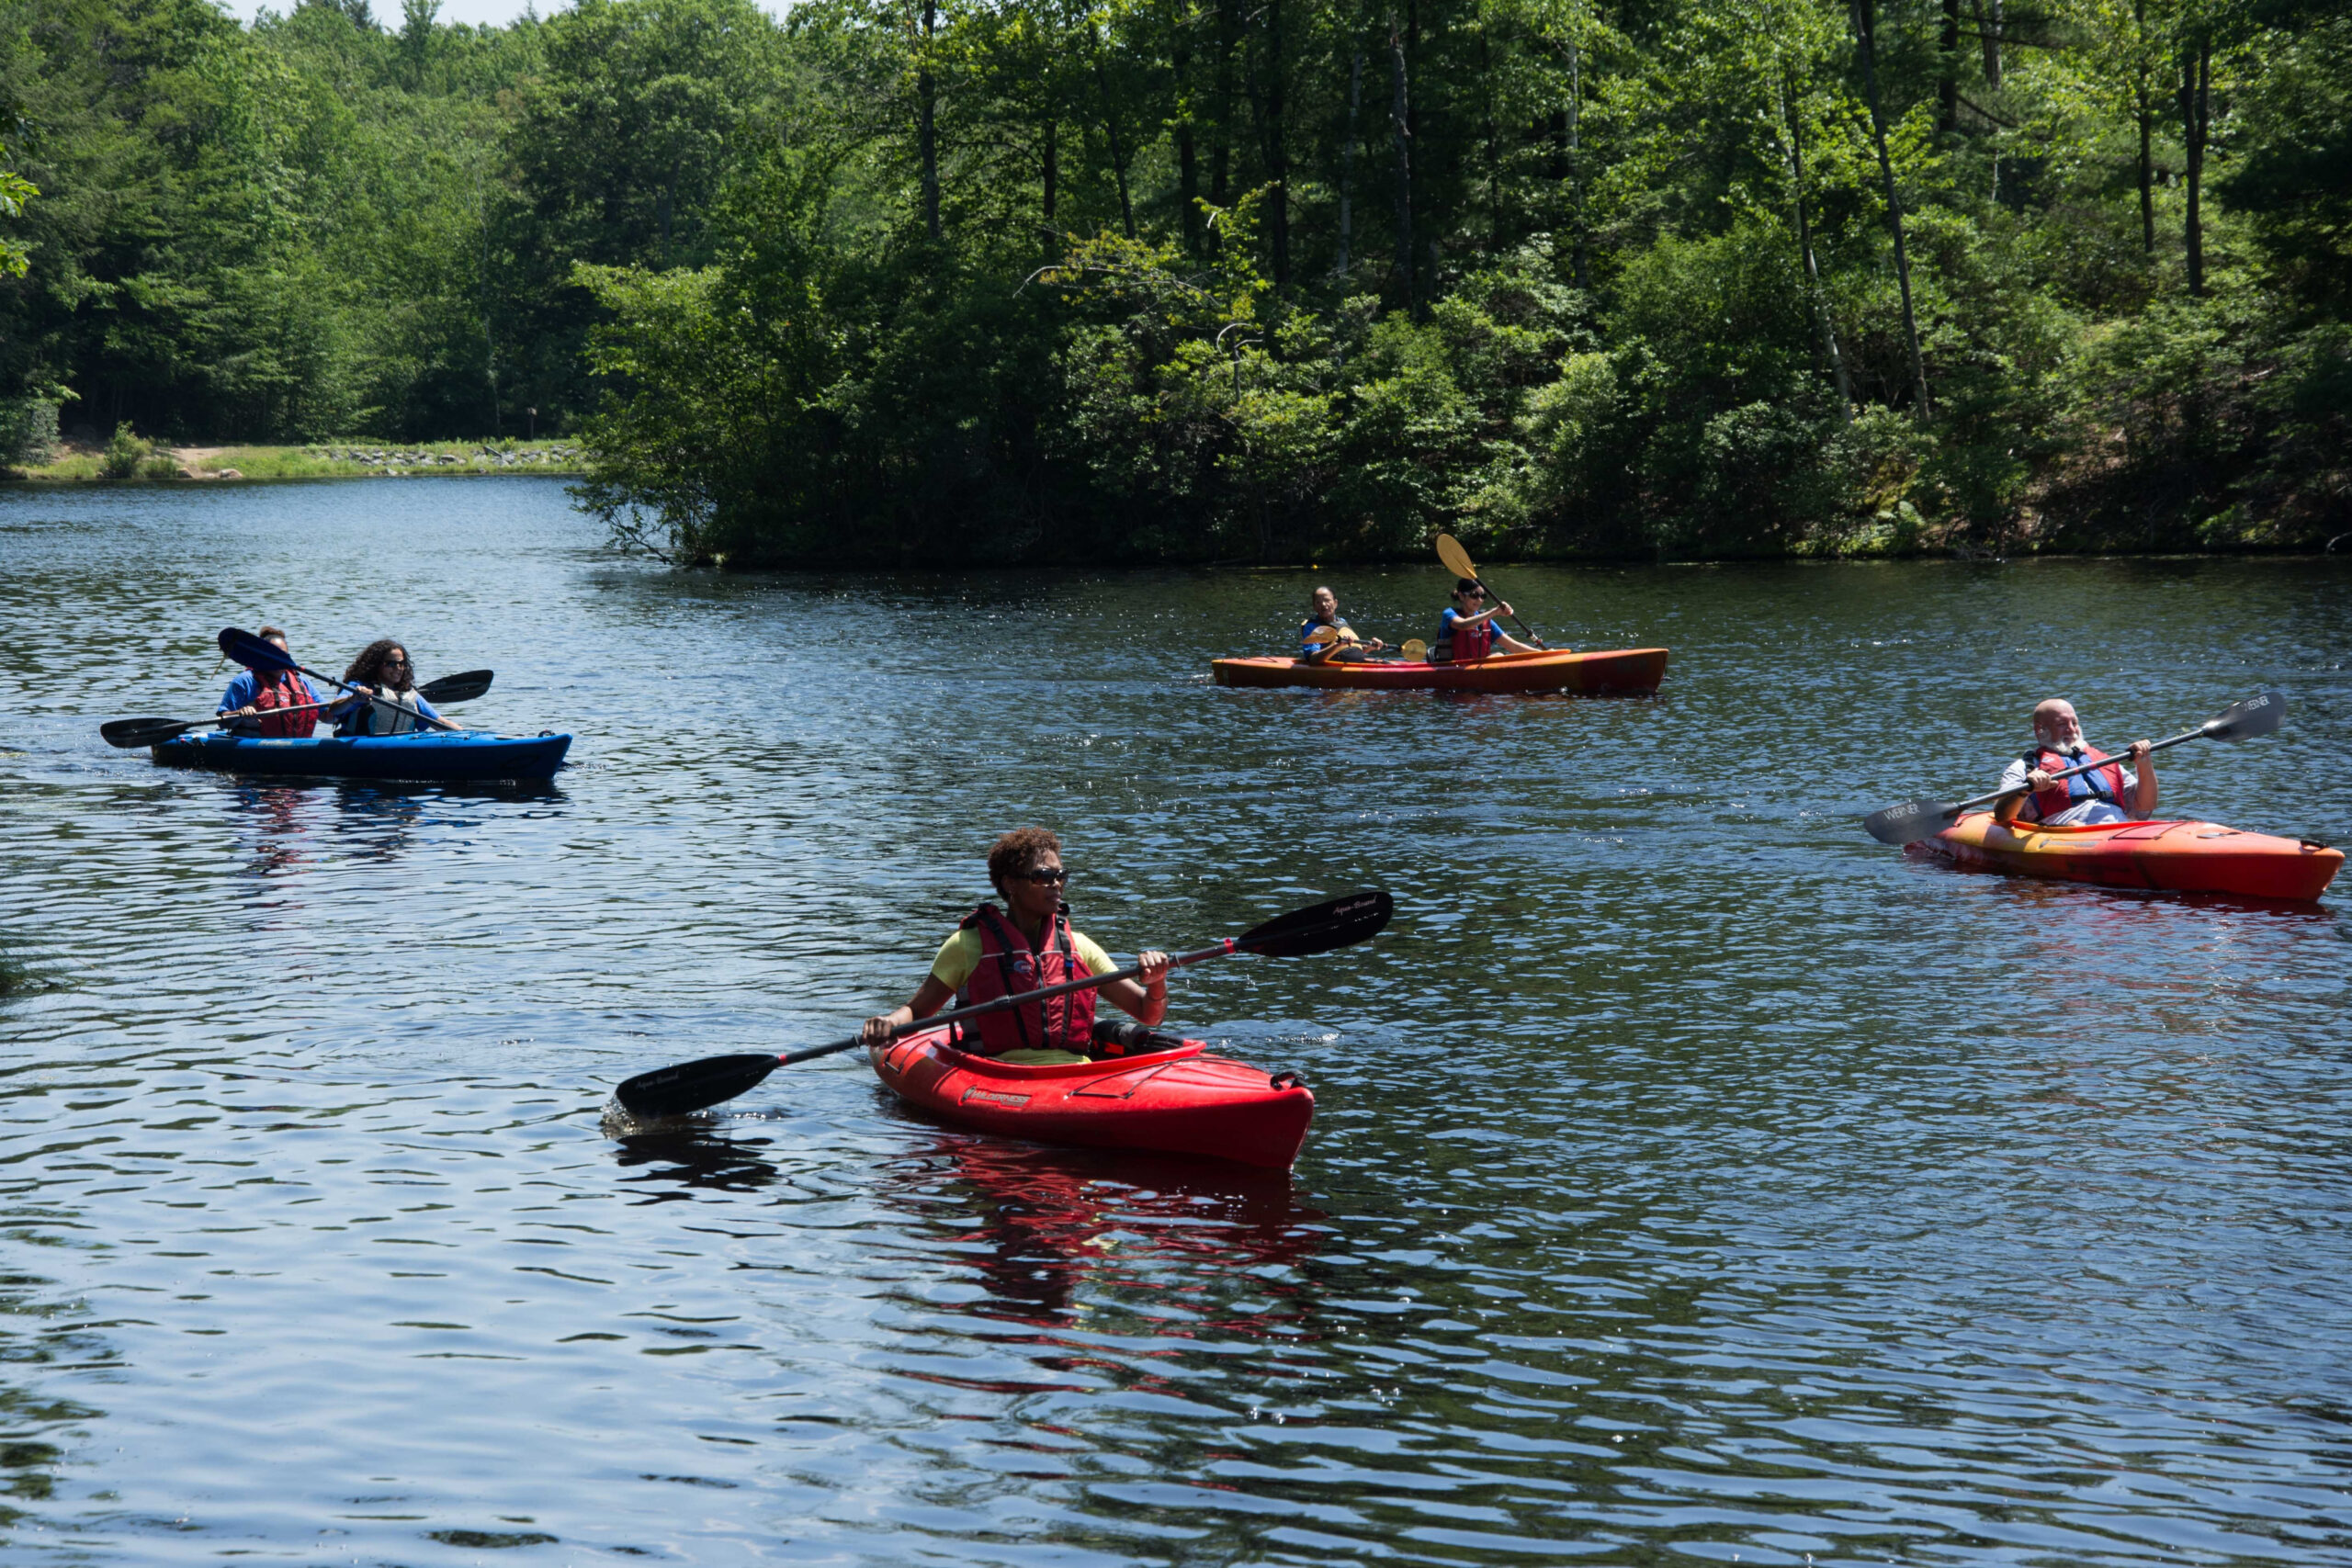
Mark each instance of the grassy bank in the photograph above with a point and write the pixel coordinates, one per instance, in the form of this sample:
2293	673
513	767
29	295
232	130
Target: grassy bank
325	460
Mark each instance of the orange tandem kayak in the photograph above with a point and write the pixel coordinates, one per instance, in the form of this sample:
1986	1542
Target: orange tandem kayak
1625	671
2175	857
1178	1101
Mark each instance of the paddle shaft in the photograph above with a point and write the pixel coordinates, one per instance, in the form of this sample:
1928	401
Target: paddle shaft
380	702
957	1015
1999	795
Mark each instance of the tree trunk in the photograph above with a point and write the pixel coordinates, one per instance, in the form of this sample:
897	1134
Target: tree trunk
1399	121
1052	180
926	95
1948	71
2196	95
1990	18
1865	32
1188	173
1822	318
2143	110
2147	117
1577	248
1347	166
1221	156
1277	150
1497	225
1118	155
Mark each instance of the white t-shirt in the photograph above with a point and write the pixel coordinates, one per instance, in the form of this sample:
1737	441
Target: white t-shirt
2090	813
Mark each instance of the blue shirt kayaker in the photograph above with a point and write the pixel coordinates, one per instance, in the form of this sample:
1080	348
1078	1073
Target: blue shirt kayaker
1346	647
2112	794
275	702
1467	631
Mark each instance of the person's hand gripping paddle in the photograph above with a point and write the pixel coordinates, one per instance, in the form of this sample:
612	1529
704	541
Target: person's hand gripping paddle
1413	650
1457	562
131	734
1916	819
694	1086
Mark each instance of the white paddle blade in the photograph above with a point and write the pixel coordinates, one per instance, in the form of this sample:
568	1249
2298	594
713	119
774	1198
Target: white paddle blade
1909	822
2258	715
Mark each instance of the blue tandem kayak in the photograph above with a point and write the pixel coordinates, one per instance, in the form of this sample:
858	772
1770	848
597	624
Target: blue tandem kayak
428	755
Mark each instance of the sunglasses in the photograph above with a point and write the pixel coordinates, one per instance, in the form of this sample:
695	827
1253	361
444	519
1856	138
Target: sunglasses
1045	876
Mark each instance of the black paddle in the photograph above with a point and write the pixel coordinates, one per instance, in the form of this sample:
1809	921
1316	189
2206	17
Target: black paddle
255	654
1916	819
132	733
673	1091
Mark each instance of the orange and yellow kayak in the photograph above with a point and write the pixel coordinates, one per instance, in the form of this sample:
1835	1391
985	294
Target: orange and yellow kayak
2176	857
1625	671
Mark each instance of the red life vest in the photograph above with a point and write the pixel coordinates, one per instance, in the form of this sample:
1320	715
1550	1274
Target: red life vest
283	689
1458	641
2101	784
1010	965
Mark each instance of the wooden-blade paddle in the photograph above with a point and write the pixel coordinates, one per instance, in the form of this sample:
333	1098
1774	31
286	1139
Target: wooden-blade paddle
1457	562
694	1085
1916	819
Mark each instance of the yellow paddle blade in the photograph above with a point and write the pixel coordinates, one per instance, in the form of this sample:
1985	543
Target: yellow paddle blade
1321	636
1415	650
1457	560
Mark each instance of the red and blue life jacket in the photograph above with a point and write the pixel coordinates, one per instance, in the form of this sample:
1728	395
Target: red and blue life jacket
276	689
1009	964
1456	639
2101	784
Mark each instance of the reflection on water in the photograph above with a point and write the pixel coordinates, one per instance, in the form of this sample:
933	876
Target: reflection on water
1692	1178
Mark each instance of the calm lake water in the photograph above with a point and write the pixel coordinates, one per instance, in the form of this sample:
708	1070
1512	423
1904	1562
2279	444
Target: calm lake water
1694	1180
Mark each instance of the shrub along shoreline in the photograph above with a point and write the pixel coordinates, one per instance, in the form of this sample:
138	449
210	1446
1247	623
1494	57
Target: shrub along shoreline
83	464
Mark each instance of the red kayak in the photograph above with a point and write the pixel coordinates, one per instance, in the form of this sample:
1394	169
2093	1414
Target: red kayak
1179	1101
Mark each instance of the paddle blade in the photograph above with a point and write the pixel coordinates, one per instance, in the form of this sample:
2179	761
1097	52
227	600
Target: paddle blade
459	688
1909	822
1343	922
1323	635
131	734
252	652
2258	715
1415	650
674	1091
1457	560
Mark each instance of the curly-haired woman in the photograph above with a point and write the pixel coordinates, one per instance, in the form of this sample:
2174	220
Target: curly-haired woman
392	706
991	956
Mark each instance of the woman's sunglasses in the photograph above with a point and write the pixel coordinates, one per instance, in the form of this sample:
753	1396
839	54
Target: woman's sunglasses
1045	876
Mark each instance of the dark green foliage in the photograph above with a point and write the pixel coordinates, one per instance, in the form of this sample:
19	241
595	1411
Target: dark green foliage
999	280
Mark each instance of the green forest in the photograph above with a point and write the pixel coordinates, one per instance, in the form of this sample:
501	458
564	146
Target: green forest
930	282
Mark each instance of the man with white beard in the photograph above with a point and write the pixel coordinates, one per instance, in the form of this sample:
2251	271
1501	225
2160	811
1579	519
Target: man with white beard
2111	794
